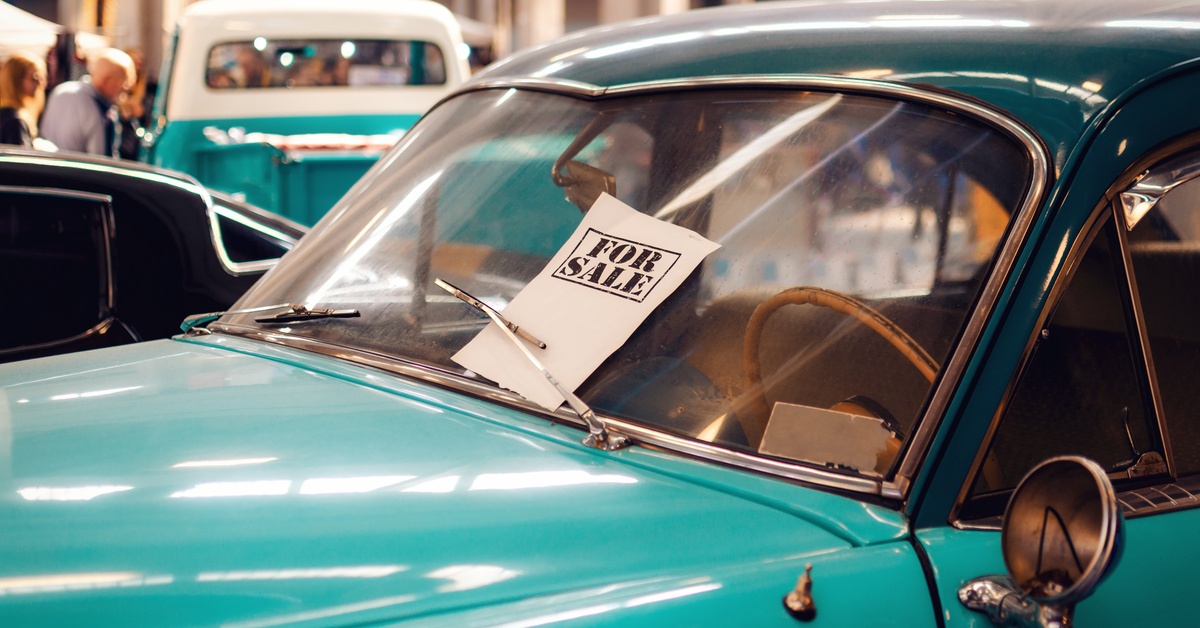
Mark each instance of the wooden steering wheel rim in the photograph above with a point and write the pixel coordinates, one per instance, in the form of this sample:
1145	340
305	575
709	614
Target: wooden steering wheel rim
843	304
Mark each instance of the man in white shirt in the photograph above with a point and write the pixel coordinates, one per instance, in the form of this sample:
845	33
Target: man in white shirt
81	115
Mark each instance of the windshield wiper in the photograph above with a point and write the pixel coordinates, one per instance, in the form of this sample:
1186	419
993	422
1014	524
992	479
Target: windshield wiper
598	434
489	310
301	313
296	312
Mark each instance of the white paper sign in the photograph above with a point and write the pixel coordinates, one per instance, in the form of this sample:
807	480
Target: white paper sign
612	272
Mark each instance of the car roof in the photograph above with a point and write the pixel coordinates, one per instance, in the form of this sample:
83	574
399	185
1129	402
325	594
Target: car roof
1053	63
96	163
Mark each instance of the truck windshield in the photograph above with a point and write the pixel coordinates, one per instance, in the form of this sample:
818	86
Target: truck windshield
855	234
287	63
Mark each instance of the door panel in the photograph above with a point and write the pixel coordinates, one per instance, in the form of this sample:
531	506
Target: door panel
1113	395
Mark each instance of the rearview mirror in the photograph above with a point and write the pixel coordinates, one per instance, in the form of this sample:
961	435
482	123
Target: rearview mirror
1061	536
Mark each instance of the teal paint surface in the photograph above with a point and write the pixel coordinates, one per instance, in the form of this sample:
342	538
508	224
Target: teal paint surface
1054	65
301	186
208	485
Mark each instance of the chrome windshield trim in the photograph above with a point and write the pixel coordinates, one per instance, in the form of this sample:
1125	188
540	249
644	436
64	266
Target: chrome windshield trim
642	434
1156	182
913	456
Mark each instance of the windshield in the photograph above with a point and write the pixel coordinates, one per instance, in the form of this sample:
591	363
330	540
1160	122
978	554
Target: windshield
855	233
268	63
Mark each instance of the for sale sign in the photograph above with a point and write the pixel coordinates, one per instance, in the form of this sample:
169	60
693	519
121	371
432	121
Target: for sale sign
624	268
614	270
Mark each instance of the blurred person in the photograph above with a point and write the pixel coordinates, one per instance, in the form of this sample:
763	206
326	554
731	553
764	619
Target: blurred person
81	115
22	94
132	107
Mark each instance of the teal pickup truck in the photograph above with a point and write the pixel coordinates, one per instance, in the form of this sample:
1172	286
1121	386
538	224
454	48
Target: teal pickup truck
948	332
287	104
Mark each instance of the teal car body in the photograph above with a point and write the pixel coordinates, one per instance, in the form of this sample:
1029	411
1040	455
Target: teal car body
1037	160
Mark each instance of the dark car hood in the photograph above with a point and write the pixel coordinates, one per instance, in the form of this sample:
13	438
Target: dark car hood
172	481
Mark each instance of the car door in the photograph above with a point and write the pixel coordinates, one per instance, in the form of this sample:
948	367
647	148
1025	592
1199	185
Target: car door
57	280
1108	372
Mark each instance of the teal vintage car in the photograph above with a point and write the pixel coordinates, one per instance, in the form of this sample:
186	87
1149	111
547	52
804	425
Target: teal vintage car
942	327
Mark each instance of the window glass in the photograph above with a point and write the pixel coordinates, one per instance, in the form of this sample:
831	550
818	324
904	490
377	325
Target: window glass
898	206
55	271
284	63
1080	393
1165	249
244	241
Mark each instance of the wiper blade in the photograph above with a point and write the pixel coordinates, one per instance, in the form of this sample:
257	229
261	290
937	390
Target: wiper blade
488	310
196	320
300	313
296	312
598	434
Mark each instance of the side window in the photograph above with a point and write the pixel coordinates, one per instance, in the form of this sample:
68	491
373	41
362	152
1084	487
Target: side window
244	241
1165	252
1082	391
54	252
1092	384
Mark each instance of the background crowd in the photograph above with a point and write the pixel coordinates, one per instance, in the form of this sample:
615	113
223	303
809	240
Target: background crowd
101	113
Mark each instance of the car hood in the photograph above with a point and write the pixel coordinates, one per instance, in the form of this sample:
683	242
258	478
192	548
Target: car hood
208	485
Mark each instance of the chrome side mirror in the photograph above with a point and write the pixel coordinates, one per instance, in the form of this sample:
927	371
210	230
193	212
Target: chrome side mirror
1061	536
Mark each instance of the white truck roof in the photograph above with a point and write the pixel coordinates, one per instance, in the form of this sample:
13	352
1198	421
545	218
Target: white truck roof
210	22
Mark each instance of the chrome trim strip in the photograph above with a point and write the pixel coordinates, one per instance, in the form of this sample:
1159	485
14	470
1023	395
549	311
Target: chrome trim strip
1146	356
488	392
1092	228
551	85
947	381
215	211
101	327
1160	492
178	180
1184	490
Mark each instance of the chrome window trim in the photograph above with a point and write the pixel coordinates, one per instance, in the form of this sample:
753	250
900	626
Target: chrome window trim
1175	495
175	179
1180	162
215	212
947	380
1123	227
1092	228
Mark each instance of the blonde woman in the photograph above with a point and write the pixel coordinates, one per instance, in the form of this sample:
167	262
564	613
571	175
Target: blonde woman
22	94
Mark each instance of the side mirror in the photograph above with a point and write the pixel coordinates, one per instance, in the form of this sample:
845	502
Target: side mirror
1061	536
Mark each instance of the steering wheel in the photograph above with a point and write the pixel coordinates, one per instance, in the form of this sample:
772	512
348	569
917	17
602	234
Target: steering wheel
754	422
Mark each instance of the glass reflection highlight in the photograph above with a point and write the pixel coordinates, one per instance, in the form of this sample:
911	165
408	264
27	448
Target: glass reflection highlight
69	493
544	479
359	571
467	577
436	485
54	583
236	489
328	486
222	463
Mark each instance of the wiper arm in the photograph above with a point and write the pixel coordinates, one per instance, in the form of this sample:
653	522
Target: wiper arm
490	311
296	312
598	434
